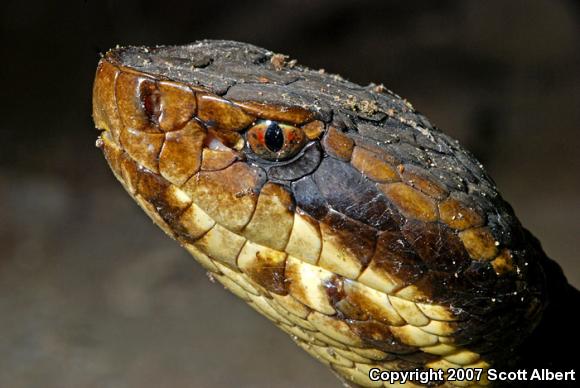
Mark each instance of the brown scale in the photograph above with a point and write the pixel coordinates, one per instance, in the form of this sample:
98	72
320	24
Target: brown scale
368	244
144	147
134	96
411	202
458	214
177	105
314	129
105	112
384	152
479	243
213	160
216	112
338	144
372	165
292	114
179	157
422	180
265	266
273	217
229	196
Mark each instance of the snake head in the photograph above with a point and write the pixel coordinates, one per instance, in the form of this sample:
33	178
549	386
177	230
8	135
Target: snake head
323	191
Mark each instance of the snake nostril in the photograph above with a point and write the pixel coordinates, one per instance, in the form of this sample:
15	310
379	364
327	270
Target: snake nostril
150	99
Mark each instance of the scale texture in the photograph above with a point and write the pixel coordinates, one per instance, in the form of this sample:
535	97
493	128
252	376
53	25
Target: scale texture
335	210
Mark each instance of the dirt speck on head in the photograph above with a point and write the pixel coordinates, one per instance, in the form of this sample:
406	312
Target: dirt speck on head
380	88
353	103
279	61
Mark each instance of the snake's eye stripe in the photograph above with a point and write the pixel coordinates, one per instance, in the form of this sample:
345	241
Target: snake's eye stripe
275	141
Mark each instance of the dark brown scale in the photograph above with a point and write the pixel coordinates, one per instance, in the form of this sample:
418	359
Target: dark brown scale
396	256
394	131
444	288
131	171
408	152
348	192
334	289
347	309
154	189
481	275
308	197
270	277
452	181
358	237
437	245
449	164
379	336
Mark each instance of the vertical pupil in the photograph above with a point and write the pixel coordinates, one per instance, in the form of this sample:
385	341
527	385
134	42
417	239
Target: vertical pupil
274	137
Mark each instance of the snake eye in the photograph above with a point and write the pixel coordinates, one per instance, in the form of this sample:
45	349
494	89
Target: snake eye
274	141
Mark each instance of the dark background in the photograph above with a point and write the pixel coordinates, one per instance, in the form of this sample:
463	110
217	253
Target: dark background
93	295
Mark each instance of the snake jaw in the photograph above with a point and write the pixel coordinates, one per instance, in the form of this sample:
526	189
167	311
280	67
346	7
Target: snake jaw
380	243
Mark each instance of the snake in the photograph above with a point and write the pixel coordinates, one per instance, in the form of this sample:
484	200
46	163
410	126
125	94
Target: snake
337	211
